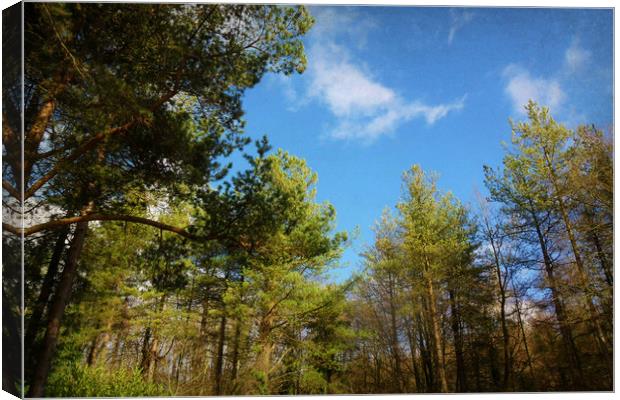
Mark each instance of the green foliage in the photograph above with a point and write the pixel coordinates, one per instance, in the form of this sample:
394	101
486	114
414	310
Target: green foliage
155	88
77	380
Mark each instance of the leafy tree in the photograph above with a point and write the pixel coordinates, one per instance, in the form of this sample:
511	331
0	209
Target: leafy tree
292	247
135	97
536	192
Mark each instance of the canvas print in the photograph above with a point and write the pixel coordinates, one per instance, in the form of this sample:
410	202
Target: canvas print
276	199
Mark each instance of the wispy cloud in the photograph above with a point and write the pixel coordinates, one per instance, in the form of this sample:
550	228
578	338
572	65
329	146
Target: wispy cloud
365	108
384	122
335	22
521	86
576	57
459	20
342	86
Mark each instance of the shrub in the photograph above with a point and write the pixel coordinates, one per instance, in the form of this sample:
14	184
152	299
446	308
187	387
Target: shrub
77	380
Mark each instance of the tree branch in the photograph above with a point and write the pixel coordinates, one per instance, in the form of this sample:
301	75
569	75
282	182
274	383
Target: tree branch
100	217
12	191
88	145
7	132
91	143
40	123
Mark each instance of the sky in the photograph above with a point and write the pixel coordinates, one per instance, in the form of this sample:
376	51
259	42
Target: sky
389	87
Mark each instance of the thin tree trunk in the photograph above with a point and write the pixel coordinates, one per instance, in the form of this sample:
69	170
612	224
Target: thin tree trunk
608	272
493	367
92	352
11	340
583	274
119	344
501	283
100	344
116	352
46	289
436	335
593	236
565	330
394	337
219	364
377	364
423	342
414	362
199	359
153	357
150	347
476	362
263	361
235	352
145	363
522	329
56	312
461	377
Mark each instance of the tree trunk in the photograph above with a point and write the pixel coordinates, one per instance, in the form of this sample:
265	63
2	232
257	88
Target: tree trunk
525	345
565	330
198	361
506	342
263	361
600	254
593	236
476	364
436	336
145	363
493	367
377	381
46	289
92	352
425	353
150	347
235	353
461	377
11	340
501	284
99	344
414	362
119	343
153	357
601	339
394	338
116	352
56	312
219	364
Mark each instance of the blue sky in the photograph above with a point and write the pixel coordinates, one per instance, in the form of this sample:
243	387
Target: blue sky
389	87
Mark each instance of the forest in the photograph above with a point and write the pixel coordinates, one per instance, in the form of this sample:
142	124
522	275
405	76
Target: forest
153	267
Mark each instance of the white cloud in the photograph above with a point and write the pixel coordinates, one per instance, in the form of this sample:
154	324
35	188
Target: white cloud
332	22
369	129
576	57
342	86
522	86
365	108
459	20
